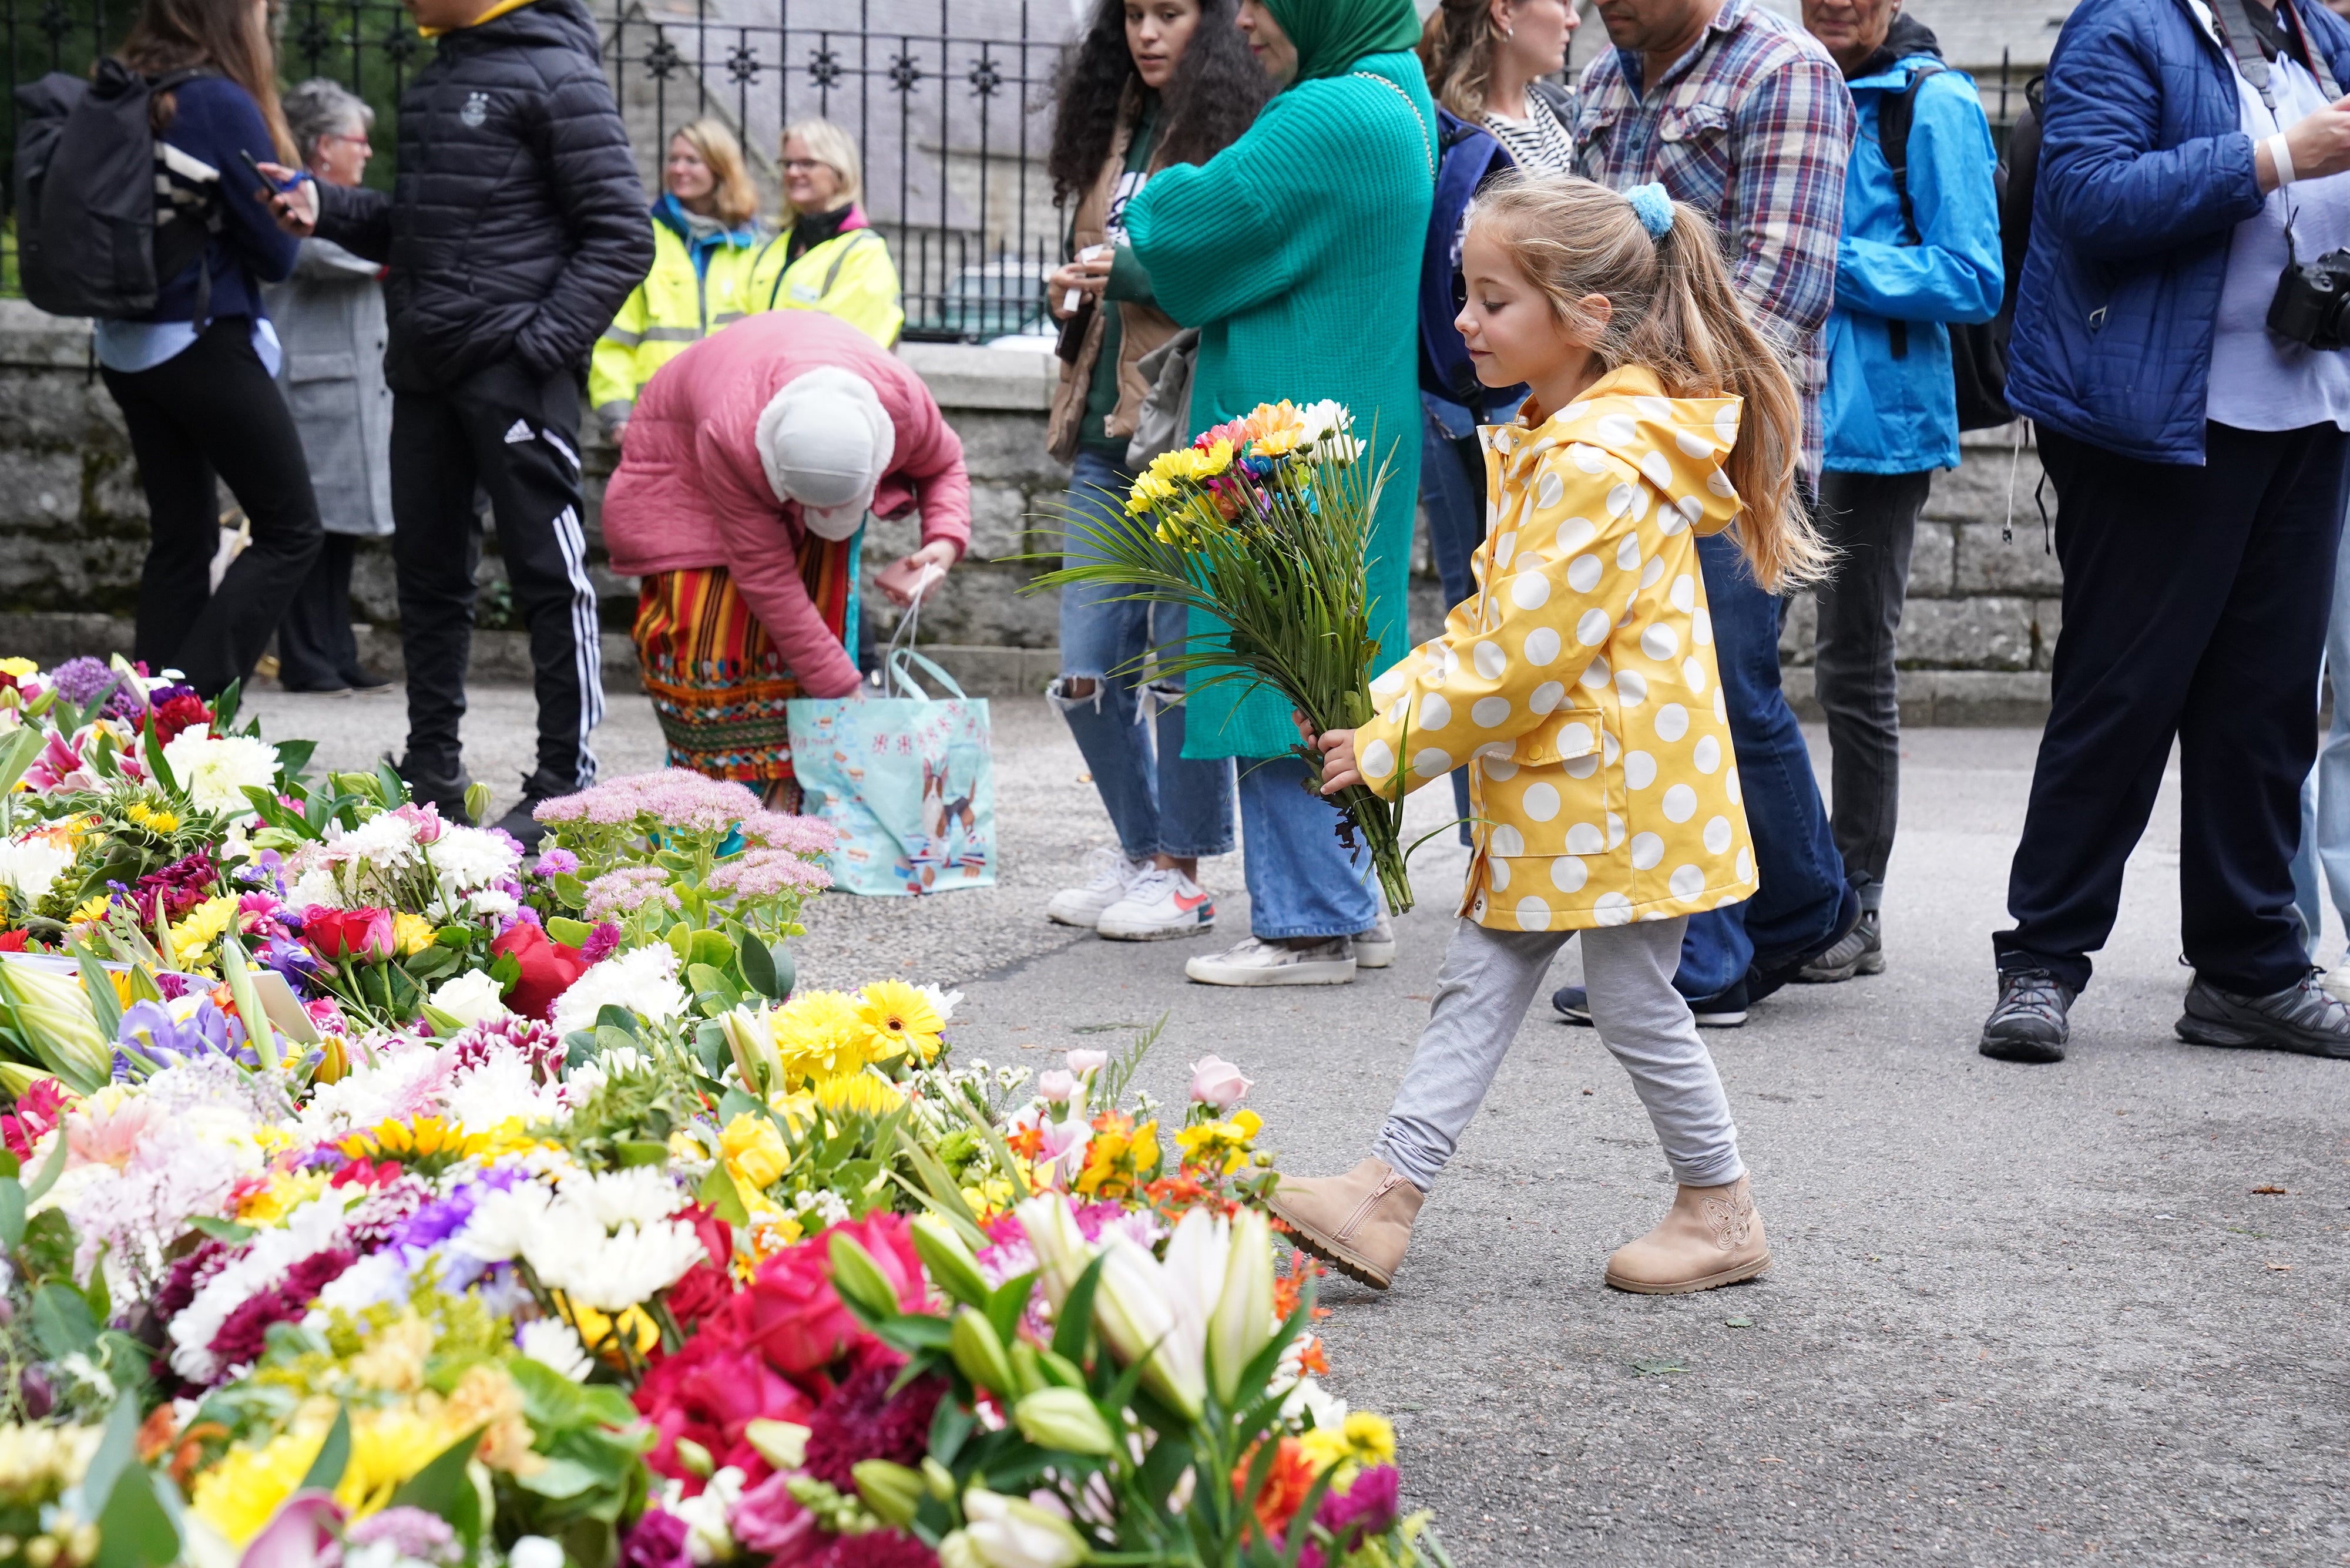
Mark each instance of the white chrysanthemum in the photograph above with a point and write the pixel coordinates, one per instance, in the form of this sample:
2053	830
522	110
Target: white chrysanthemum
215	769
31	864
384	841
468	857
638	1195
642	979
490	901
503	1088
553	1343
502	1224
400	1082
315	886
562	1236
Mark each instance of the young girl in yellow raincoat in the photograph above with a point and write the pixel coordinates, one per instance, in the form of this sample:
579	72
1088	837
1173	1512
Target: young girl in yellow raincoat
1579	686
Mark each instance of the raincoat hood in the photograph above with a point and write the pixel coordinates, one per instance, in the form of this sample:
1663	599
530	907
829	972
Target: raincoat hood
1677	443
1330	36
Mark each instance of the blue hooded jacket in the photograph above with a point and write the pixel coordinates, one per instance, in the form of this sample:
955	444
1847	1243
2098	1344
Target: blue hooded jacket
2144	175
1897	413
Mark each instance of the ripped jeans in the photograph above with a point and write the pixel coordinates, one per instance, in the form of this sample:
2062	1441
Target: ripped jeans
1130	732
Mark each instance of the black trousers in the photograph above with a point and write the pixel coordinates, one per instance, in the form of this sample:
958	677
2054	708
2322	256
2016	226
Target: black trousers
1872	521
516	436
316	649
210	411
2195	606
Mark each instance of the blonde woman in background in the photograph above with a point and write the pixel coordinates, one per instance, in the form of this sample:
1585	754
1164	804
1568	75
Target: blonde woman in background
705	239
1485	61
828	257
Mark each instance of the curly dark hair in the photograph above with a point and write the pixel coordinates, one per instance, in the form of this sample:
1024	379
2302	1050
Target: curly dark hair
1215	94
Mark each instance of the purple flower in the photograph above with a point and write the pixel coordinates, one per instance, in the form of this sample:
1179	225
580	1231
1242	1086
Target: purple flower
555	861
150	1033
657	1540
1369	1506
601	942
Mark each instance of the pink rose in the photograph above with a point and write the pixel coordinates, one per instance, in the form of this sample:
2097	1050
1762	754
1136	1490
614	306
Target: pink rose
1216	1082
1056	1085
1084	1062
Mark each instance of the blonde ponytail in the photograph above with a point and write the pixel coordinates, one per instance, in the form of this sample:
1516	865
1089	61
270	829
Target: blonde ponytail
1674	311
1456	54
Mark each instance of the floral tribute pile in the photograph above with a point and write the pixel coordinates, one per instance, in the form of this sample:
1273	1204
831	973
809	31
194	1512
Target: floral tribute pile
375	1195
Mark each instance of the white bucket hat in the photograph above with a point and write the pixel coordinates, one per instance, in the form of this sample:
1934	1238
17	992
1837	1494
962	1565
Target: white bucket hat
825	441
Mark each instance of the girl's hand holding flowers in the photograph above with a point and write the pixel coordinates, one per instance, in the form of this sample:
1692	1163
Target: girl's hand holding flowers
1337	749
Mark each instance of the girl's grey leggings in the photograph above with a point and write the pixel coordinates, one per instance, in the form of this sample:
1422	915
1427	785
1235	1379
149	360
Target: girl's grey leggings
1487	982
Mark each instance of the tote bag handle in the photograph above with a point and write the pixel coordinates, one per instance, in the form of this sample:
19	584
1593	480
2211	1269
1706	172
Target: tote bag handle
902	652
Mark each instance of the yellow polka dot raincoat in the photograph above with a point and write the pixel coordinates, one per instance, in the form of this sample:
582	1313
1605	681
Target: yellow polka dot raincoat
1578	683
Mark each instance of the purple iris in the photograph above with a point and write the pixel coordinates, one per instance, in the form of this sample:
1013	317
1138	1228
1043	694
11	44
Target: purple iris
151	1034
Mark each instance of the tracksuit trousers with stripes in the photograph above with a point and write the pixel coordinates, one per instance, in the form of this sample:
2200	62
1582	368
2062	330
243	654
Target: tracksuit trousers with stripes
513	435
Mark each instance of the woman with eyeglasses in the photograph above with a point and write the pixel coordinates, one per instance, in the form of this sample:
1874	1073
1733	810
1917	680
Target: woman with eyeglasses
330	323
828	257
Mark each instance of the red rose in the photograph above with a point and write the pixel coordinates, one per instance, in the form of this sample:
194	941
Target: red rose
790	1312
707	1287
711	1390
548	968
362	934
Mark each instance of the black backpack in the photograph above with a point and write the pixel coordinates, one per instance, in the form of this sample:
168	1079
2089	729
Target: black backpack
1978	348
87	240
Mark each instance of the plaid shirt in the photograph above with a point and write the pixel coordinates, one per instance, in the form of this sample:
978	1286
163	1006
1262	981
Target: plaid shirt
1752	126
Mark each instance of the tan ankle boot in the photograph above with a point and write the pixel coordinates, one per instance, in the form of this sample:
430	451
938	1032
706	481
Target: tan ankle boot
1359	1224
1713	1236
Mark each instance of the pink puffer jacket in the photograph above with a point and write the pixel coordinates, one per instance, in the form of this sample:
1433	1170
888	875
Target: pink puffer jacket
689	491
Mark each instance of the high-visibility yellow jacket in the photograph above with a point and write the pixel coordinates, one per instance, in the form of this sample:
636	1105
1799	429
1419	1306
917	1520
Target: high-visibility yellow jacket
693	289
849	275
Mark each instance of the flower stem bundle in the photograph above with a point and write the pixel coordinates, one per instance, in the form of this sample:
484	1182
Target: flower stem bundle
1264	524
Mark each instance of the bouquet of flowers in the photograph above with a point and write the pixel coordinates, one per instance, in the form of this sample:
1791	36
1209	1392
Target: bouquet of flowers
1264	524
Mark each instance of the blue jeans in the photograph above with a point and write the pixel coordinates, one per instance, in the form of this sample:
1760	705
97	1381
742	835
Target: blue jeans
1453	493
1803	899
1300	881
1132	734
2325	793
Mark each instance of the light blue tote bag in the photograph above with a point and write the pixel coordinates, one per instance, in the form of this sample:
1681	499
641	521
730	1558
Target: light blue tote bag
909	780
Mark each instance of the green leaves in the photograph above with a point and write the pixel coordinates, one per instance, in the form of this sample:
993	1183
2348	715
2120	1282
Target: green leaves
326	1470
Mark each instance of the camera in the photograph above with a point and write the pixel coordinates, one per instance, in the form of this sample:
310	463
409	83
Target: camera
2311	305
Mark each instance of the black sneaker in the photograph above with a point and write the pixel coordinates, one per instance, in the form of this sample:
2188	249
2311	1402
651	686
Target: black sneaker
2028	1022
2301	1018
1862	952
426	788
1727	1011
1761	982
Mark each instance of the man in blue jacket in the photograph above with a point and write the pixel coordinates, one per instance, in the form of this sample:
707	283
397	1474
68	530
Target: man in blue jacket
1918	251
2198	458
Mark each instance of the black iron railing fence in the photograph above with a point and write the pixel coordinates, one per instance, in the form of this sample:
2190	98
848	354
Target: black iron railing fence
947	99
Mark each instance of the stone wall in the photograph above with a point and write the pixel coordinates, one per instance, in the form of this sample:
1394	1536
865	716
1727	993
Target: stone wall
1975	644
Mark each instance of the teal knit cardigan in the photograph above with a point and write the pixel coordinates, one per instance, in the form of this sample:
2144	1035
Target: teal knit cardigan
1296	253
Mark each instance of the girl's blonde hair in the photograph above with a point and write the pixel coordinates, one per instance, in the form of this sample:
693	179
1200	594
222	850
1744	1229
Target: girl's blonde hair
732	193
828	144
1674	312
1456	52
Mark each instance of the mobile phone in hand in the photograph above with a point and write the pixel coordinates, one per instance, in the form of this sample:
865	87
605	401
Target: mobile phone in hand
280	186
901	578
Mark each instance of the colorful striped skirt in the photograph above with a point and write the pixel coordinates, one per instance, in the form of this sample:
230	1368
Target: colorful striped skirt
716	679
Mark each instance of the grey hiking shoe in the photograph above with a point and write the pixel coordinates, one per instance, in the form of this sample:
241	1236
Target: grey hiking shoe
1861	951
2302	1018
2027	1025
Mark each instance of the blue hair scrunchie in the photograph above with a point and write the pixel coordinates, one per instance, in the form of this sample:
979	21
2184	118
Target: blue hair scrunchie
1654	207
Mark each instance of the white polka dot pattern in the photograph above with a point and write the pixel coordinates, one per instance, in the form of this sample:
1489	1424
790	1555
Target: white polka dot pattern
1578	683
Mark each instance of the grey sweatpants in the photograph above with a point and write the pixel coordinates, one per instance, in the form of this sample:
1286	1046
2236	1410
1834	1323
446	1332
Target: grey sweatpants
1487	982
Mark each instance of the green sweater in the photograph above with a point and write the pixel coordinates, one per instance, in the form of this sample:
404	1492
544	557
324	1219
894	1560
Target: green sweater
1297	252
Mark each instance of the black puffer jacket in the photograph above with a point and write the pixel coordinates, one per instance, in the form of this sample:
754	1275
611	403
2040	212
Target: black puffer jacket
517	224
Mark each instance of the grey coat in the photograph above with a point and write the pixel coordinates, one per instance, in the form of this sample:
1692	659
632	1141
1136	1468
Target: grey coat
329	320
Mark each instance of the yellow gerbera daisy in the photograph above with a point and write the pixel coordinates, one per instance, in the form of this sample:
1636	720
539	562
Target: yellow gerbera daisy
861	1094
898	1017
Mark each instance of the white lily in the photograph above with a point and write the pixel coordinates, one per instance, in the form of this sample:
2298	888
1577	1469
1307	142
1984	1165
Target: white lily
1242	1320
1145	1314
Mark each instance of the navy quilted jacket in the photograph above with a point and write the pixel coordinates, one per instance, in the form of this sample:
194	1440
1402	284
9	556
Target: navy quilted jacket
517	224
2144	175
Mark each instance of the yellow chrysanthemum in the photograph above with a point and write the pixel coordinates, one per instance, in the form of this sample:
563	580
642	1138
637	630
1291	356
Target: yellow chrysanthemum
818	1034
602	1334
237	1495
91	911
192	938
755	1155
286	1192
898	1017
1365	1438
411	934
389	1446
1224	1145
858	1094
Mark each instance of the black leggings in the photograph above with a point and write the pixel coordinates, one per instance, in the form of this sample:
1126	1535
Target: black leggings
212	410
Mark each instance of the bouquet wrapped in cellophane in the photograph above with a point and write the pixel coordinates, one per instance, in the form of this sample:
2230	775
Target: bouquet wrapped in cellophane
1264	524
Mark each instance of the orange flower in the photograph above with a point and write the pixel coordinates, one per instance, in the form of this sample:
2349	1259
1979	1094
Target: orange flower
1286	1481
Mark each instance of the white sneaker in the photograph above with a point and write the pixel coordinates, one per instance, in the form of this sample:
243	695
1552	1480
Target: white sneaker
1376	948
1256	963
2335	982
1161	902
1109	875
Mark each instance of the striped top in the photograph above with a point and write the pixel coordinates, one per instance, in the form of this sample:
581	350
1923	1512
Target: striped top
1538	143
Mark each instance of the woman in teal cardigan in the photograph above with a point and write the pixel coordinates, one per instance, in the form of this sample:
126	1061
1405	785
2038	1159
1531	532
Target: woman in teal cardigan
1297	252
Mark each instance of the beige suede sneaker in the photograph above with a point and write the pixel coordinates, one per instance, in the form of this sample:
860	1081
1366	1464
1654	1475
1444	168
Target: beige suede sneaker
1713	1236
1358	1223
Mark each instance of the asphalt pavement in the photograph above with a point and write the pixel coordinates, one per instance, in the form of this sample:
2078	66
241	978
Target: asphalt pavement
2094	1310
